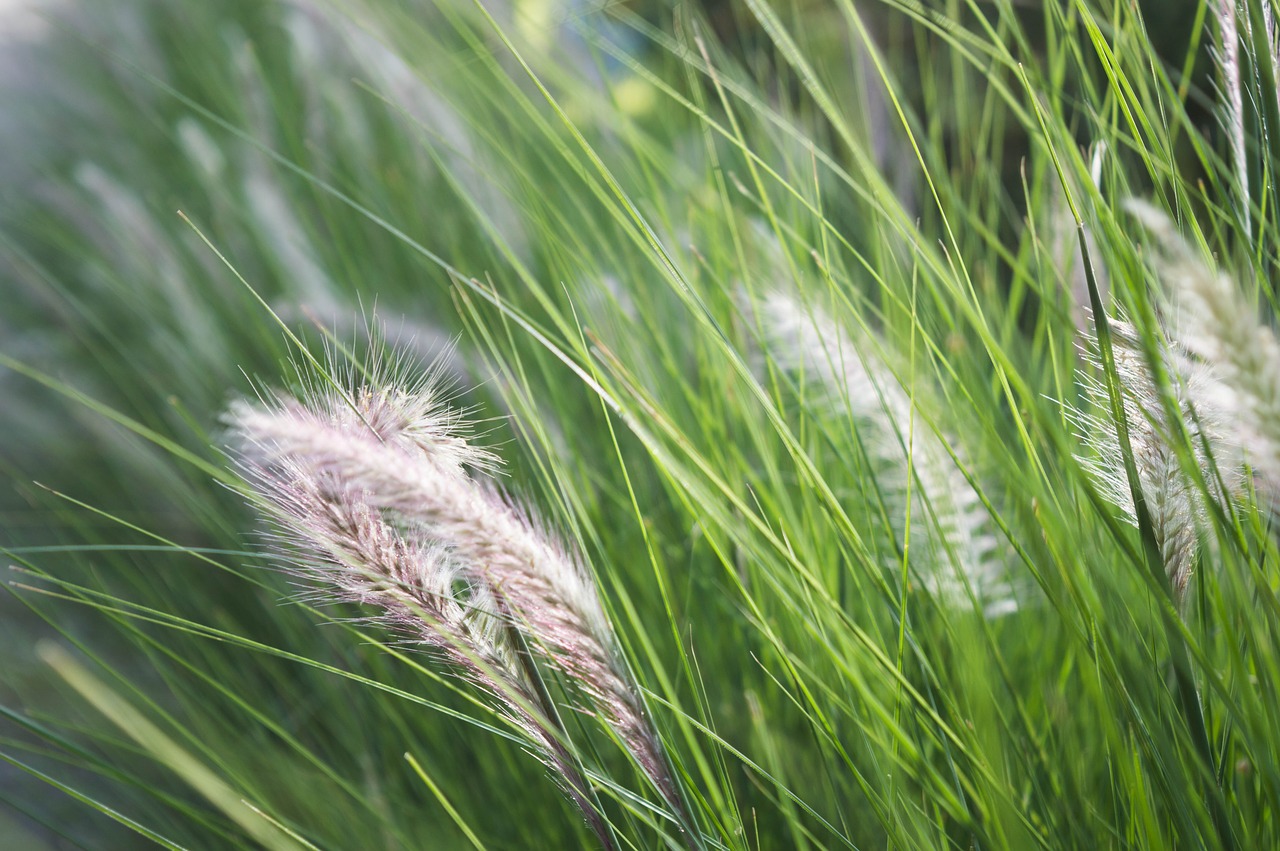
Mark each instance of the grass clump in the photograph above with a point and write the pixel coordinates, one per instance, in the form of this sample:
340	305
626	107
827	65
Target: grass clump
839	455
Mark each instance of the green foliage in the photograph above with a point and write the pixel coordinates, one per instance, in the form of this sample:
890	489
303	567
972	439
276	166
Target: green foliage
596	204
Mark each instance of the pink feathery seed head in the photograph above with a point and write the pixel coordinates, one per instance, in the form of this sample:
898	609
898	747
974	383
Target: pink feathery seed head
373	484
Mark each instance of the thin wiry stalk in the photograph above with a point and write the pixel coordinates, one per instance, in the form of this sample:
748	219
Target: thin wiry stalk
803	339
1217	323
401	453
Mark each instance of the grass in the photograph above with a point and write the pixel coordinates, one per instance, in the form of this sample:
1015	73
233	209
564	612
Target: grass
872	568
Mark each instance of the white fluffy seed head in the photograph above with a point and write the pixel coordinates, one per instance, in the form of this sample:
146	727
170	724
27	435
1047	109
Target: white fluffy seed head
1174	498
853	380
1217	324
1227	57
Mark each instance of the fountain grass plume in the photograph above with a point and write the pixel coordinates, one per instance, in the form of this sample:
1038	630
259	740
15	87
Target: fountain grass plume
802	339
375	486
1227	57
1175	499
1217	323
